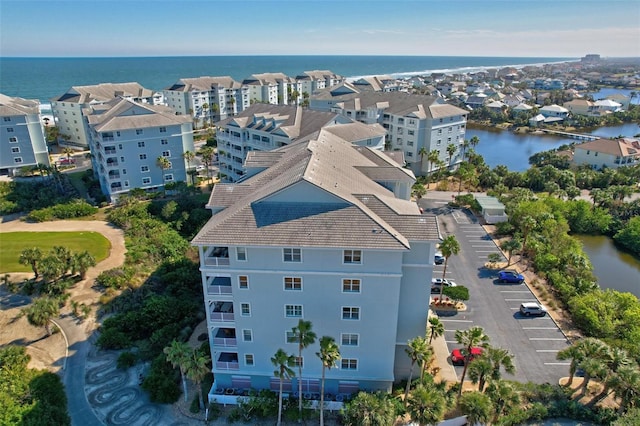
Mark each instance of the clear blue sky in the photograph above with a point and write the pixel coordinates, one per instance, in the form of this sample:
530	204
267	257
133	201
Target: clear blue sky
543	28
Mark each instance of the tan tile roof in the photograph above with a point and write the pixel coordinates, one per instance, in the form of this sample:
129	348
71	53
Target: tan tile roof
103	92
121	114
356	131
617	147
204	83
10	106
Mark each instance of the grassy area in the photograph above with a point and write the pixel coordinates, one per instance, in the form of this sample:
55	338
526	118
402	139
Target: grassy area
14	242
76	180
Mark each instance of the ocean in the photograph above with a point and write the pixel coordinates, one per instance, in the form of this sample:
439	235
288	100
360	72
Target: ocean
45	78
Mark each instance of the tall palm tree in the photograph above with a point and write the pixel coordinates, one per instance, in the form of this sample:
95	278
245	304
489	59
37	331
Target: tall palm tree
68	152
188	157
422	152
499	358
178	354
503	395
479	370
451	149
433	157
510	246
82	262
304	337
163	163
436	328
207	153
465	146
283	363
618	357
329	355
426	405
449	246
417	350
41	311
205	117
470	338
626	387
32	257
575	354
474	142
197	368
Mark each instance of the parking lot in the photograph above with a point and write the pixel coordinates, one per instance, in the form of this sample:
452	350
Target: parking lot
534	341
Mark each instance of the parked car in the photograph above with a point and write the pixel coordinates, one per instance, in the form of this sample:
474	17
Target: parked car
532	308
66	161
458	355
437	283
438	259
510	276
201	167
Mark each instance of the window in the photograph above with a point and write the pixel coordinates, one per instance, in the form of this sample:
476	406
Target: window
247	335
292	255
166	154
439	131
163	130
139	132
243	282
168	178
9	129
146	181
143	156
351	285
293	311
349	339
7	118
15	150
118	135
410	132
17	160
409	154
292	283
164	141
291	337
124	171
353	256
13	139
122	159
144	169
248	359
350	313
141	144
245	309
349	364
298	361
241	253
119	146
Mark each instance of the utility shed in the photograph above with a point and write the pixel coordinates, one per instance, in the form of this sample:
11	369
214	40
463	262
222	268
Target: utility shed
492	210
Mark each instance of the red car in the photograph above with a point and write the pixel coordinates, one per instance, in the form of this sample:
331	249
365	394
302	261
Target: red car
458	355
66	161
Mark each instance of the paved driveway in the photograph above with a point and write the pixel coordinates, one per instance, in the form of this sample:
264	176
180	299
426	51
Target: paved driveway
534	342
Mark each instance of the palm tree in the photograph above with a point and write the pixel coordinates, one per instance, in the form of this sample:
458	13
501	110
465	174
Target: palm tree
470	338
82	262
426	405
232	102
476	406
418	190
465	146
527	223
449	246
32	257
370	409
479	370
303	336
575	354
197	368
436	328
465	171
68	152
329	355
178	354
433	157
499	358
283	363
418	350
164	164
41	311
626	387
207	154
451	149
503	395
205	118
618	358
422	152
514	244
474	142
188	157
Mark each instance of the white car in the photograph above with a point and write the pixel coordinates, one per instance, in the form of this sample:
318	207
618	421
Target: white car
201	167
437	283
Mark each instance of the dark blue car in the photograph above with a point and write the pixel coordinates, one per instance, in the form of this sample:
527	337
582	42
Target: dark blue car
510	276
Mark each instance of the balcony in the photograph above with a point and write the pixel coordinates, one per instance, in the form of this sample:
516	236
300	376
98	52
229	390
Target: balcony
221	312
109	150
225	337
217	256
219	285
114	176
227	361
112	162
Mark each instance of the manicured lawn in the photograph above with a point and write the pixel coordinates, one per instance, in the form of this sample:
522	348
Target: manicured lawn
12	244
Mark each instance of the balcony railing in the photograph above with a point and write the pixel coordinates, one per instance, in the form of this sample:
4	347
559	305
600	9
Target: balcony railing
225	341
216	261
221	365
110	151
114	177
222	316
219	289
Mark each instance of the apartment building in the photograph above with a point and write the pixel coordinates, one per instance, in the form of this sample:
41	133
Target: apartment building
608	153
413	122
273	88
264	127
312	81
67	108
209	99
127	139
22	140
324	231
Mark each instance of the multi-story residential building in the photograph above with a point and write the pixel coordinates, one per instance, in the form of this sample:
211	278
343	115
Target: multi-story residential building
312	81
323	231
415	124
264	127
127	139
207	98
273	88
611	153
22	140
67	108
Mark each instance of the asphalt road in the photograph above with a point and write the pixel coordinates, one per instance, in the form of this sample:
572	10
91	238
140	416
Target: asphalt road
534	342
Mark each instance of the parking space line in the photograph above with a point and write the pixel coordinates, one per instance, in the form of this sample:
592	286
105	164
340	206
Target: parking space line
452	320
520	300
557	363
540	328
515	291
455	342
485	251
547	350
548	338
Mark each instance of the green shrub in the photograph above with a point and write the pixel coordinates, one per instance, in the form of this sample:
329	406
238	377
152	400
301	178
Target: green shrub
195	404
111	338
72	209
127	360
162	381
114	278
458	293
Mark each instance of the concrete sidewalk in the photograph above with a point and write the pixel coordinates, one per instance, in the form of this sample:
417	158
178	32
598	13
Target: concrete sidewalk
447	371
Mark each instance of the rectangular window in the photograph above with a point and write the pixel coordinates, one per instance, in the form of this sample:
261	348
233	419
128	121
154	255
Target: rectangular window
146	181
139	132
143	156
248	359
15	150
7	118
410	132
163	130
292	255
293	311
349	339
350	313
9	129
17	160
353	256
241	253
141	144
245	309
299	362
351	285
243	282
349	364
292	283
13	139
144	169
291	337
247	335
164	141
119	146
168	178
166	154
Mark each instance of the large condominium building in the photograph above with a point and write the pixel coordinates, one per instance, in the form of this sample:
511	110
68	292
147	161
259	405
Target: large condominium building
415	124
127	141
22	141
312	81
264	127
273	88
67	108
208	99
323	231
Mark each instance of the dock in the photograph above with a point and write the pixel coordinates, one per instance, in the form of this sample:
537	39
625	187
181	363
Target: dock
578	136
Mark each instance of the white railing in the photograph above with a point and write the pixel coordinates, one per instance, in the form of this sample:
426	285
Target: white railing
222	316
231	365
225	341
216	261
219	289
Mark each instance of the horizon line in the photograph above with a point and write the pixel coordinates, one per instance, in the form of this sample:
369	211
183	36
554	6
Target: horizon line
304	55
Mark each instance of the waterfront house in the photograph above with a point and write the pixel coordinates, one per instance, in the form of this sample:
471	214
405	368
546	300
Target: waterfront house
67	108
207	99
273	88
324	231
22	139
608	106
623	100
554	111
611	153
582	107
126	140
